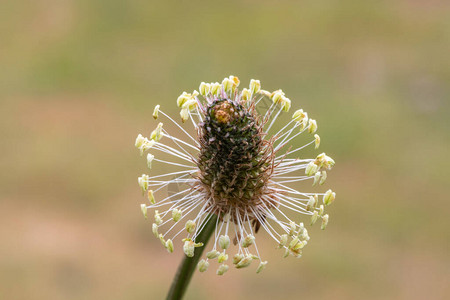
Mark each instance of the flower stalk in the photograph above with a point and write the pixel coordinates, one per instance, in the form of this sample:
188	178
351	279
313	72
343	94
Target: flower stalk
188	265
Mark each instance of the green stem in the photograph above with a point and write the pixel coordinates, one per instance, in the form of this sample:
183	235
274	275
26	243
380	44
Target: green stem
188	265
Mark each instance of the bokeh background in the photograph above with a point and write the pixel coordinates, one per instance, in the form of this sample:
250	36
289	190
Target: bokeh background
79	80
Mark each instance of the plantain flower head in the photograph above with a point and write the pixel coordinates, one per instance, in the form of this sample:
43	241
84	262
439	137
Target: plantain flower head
238	168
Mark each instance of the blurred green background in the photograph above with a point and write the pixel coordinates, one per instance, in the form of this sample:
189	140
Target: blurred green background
79	80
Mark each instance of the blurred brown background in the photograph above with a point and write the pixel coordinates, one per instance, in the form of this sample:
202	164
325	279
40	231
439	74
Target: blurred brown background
79	80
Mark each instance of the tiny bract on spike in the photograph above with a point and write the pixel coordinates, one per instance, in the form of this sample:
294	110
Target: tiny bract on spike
237	166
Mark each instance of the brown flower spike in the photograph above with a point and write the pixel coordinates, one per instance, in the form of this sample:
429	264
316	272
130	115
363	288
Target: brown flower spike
235	169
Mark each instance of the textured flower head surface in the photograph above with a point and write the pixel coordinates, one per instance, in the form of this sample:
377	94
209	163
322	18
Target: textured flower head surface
236	169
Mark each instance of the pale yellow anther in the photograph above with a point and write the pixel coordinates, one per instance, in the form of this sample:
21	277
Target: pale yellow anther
324	222
321	210
237	258
190	226
293	242
198	245
155	229
204	89
303	124
285	103
316	178
227	85
144	210
143	182
184	114
222	270
157	217
277	96
245	262
323	178
183	98
189	248
224	241
235	80
150	158
329	164
325	161
190	105
301	228
311	204
314	217
246	95
147	145
176	214
320	159
151	197
296	245
266	93
255	86
316	141
293	227
222	257
283	240
311	169
299	115
299	245
329	197
157	134
248	241
212	254
143	144
312	128
169	245
304	237
155	112
139	141
262	266
286	253
203	265
162	240
215	88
